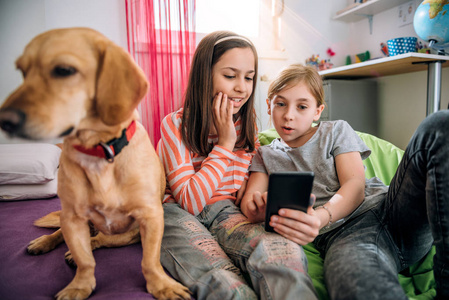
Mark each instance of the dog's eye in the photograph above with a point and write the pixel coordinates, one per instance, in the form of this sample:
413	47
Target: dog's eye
63	71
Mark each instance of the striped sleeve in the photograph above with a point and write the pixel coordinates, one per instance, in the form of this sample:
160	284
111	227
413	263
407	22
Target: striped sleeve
192	190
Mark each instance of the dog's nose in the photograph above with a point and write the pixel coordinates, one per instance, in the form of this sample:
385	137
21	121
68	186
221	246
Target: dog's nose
12	120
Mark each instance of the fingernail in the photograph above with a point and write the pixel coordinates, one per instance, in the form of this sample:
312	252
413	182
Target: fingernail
281	212
274	219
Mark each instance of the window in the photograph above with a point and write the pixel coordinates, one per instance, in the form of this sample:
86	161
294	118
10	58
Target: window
239	16
171	12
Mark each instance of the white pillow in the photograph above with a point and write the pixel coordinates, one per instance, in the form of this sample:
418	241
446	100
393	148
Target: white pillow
11	192
28	163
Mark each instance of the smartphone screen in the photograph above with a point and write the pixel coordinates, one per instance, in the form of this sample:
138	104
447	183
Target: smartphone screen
288	190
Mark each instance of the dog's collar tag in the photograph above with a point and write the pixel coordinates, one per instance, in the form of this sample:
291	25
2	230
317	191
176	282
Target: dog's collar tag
112	148
108	152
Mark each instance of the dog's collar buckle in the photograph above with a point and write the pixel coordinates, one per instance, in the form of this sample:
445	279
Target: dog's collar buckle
108	153
112	148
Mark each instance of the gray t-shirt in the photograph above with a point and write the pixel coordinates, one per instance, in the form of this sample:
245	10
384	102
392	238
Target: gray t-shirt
318	155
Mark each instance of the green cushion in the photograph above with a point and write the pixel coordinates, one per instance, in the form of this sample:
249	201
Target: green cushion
417	281
384	159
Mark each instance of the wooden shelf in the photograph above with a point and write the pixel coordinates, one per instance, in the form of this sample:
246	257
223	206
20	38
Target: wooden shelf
369	8
399	64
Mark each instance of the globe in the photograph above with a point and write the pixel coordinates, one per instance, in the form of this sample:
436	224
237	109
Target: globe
431	21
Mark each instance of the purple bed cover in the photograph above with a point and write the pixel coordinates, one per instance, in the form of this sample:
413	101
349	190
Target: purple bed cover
22	276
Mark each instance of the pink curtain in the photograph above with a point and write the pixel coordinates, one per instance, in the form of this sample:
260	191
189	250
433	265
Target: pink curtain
161	38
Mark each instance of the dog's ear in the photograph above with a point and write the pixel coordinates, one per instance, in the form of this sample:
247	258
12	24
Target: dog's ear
121	84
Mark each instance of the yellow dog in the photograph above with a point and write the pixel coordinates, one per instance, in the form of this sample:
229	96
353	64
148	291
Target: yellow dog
81	86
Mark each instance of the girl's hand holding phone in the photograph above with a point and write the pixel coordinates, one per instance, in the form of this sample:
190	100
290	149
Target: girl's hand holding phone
223	121
297	226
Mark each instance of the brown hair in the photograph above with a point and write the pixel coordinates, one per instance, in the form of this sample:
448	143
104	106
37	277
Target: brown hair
295	74
197	115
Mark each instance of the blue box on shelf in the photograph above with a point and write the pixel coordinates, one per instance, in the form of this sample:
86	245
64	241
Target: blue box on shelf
402	45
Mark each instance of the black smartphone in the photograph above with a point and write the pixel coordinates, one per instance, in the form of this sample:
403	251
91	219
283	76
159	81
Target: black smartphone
288	190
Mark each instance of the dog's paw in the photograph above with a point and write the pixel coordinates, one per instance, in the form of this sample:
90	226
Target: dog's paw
73	294
80	287
40	245
69	259
172	291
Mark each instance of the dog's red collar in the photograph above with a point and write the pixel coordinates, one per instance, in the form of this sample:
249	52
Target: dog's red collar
112	148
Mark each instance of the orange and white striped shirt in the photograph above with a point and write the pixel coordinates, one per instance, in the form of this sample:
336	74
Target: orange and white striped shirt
195	181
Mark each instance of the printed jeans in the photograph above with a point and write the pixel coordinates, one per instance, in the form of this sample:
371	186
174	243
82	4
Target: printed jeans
364	256
211	254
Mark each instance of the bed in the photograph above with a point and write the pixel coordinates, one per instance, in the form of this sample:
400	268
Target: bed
28	191
28	172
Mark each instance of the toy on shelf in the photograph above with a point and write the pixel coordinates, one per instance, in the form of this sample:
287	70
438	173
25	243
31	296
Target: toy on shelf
384	49
320	64
423	48
361	57
330	52
348	60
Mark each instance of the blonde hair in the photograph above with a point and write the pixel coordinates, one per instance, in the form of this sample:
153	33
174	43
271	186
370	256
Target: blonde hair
295	74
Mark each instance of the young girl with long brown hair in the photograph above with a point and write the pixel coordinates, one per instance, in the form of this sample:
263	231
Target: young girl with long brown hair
206	149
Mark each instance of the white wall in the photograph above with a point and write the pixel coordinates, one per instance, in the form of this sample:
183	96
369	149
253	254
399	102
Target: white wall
403	104
21	20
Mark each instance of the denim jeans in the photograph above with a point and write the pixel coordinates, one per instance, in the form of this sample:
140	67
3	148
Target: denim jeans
211	253
364	256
